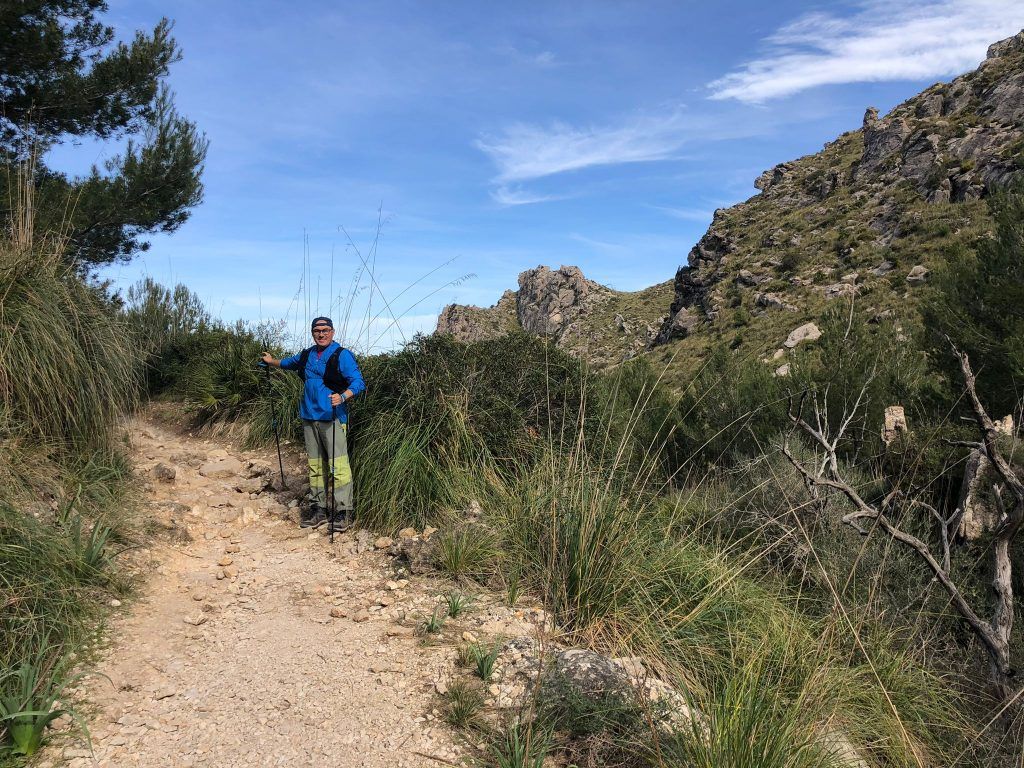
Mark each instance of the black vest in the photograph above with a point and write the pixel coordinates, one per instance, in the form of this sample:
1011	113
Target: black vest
334	379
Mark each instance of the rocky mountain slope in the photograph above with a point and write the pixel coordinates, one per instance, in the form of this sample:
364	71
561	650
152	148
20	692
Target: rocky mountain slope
864	220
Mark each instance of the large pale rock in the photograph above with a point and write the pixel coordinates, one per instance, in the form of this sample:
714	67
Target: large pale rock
806	332
773	301
840	746
251	484
895	423
590	675
681	324
224	467
978	512
918	275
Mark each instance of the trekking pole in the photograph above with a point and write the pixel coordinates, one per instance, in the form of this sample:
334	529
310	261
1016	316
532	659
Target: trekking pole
273	415
334	503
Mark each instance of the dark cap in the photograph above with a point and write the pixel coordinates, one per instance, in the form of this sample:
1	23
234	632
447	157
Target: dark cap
321	321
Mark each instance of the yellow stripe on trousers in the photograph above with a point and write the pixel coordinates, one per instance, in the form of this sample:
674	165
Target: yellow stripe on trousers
316	475
342	470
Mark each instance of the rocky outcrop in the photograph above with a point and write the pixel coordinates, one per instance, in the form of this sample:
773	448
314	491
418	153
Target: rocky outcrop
581	316
571	676
469	324
694	300
549	300
579	674
951	141
806	332
918	275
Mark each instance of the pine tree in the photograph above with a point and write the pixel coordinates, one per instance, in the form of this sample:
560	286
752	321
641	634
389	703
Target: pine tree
63	77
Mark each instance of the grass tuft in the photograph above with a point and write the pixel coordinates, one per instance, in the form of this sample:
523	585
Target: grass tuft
483	658
466	551
521	744
458	602
434	624
464	704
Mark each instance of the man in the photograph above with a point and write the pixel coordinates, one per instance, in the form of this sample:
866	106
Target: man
332	378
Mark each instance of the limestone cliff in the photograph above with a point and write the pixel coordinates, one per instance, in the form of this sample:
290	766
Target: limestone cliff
882	199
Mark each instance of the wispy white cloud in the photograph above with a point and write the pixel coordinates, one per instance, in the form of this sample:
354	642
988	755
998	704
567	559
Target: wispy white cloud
545	59
523	152
890	40
599	245
542	59
506	195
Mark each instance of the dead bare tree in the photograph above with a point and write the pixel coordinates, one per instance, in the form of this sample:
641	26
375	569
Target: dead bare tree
993	632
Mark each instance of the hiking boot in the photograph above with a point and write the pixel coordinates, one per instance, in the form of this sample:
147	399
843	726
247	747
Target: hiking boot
313	517
341	523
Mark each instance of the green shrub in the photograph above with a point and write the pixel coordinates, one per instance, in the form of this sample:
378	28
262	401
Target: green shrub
977	301
222	385
516	393
520	744
731	404
405	475
458	602
484	658
171	325
434	624
854	355
29	696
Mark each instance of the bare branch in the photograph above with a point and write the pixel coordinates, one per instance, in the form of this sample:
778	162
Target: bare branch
994	635
963	444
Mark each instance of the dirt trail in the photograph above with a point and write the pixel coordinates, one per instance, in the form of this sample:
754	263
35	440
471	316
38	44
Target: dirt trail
254	642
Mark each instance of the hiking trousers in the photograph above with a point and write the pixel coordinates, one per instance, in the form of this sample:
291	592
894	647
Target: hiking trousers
328	457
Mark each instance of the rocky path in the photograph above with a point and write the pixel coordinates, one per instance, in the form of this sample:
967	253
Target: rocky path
256	643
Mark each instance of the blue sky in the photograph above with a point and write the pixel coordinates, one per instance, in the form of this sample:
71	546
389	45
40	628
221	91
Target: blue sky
493	137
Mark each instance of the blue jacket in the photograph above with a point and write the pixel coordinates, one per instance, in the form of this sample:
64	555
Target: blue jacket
316	397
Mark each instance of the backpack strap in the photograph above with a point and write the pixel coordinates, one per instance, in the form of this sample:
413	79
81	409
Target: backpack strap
334	379
303	359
